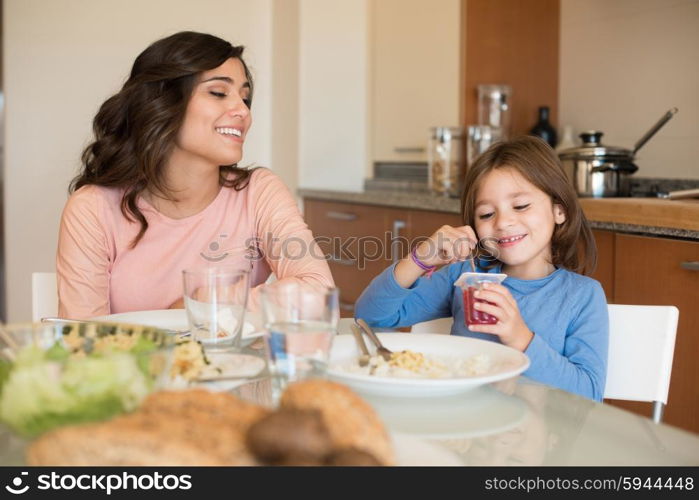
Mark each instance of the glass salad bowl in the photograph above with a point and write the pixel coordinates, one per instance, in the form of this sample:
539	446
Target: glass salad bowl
54	374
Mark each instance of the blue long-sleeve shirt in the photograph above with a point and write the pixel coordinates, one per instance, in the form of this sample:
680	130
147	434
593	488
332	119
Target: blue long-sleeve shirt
566	311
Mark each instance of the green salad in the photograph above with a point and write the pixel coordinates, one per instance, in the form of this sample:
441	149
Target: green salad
68	383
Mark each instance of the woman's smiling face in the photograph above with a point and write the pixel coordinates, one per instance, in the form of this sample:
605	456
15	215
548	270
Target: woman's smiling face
217	118
517	219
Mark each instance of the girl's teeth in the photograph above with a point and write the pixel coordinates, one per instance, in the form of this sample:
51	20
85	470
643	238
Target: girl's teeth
508	240
229	131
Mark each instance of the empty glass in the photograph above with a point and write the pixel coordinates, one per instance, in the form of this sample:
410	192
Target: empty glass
215	299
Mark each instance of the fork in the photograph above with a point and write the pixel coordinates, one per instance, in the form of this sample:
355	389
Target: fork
380	349
364	357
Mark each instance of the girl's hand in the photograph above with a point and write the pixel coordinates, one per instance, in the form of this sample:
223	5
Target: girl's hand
511	328
447	245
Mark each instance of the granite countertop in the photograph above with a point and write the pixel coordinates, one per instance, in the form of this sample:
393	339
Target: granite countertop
648	216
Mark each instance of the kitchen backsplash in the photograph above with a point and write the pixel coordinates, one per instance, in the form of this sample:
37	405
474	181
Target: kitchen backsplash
413	177
650	186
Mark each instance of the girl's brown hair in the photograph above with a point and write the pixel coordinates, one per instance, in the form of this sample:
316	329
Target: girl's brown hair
136	128
572	244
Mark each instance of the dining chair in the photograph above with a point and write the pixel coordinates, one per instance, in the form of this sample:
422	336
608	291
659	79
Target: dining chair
641	347
44	295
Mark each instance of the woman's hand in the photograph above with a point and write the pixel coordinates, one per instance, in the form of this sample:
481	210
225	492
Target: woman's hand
511	328
447	245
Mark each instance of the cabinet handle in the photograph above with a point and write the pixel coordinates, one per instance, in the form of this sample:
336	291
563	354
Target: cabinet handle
409	149
395	234
340	215
343	262
690	266
346	306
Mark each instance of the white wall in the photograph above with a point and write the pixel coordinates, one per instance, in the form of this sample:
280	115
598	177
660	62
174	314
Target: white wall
62	59
285	91
623	64
333	94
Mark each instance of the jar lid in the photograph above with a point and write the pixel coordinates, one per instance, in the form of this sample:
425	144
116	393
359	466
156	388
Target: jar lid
494	89
592	147
446	133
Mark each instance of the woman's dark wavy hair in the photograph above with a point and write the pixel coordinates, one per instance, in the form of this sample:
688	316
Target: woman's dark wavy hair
135	129
572	244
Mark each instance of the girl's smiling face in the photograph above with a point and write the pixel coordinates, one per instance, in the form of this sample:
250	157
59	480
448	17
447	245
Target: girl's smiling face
517	219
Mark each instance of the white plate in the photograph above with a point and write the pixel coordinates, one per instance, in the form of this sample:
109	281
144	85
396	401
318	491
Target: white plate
481	412
505	363
228	365
172	319
241	366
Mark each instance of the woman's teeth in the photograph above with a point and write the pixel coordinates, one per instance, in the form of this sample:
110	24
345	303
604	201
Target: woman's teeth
511	239
229	131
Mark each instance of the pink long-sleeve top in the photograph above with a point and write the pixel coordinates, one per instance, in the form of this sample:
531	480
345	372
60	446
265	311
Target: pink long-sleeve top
259	227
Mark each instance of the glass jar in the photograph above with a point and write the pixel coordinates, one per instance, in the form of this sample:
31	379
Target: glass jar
494	107
480	138
445	156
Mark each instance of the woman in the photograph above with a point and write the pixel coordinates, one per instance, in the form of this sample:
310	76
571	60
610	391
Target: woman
160	190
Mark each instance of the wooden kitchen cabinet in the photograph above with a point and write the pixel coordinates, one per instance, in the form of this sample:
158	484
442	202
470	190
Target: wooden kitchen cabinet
424	223
362	240
604	273
650	271
415	80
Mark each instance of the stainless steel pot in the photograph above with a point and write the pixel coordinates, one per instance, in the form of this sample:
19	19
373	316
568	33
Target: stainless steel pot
604	171
596	170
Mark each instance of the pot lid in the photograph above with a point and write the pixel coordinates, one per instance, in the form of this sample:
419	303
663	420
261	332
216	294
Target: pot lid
592	148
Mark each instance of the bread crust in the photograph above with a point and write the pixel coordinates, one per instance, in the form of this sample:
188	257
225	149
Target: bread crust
116	444
190	427
351	421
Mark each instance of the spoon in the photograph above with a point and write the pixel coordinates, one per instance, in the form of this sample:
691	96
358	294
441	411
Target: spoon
364	357
383	352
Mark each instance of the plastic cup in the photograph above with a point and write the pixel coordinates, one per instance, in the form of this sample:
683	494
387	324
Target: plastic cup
470	283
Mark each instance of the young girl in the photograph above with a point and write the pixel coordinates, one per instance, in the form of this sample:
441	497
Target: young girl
520	208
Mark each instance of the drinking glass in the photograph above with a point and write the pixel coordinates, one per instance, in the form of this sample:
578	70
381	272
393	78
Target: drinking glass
300	322
215	299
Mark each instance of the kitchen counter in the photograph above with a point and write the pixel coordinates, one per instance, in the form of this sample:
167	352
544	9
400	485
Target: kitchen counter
648	216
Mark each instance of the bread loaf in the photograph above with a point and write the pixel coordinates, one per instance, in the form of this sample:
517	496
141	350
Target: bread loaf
351	422
119	442
191	427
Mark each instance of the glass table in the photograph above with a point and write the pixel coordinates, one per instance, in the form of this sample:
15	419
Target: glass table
519	422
